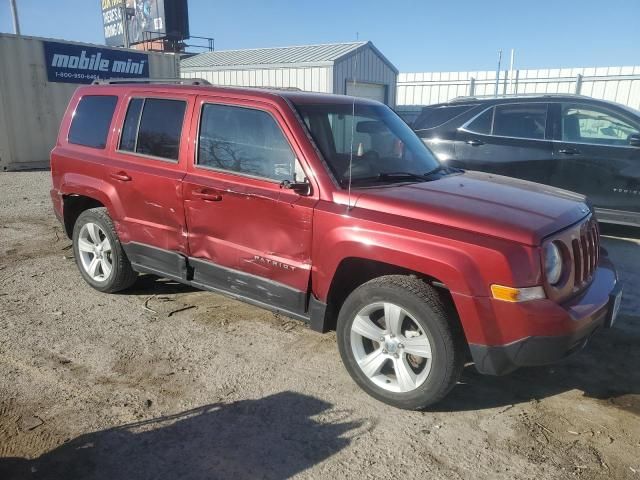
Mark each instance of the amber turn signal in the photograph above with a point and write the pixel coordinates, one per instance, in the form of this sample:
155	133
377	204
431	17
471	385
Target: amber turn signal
511	294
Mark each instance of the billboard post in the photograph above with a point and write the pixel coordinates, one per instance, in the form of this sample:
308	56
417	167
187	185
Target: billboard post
125	19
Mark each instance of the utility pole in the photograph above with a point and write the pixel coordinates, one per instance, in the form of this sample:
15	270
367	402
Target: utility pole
498	71
125	27
513	55
14	12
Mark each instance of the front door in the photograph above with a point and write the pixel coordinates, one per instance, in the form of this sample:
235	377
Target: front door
509	139
594	157
248	234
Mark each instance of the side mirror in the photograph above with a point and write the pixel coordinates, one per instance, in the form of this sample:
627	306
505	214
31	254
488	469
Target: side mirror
634	139
301	188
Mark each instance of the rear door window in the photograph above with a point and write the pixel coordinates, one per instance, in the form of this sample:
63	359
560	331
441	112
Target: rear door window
434	117
482	123
526	120
153	126
130	127
91	120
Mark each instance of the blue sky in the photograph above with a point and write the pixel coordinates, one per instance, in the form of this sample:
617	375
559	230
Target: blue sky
416	36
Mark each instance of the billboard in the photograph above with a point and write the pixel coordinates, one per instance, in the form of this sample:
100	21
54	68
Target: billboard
69	63
146	20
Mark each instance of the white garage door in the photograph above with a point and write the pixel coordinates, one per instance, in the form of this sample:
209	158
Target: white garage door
372	91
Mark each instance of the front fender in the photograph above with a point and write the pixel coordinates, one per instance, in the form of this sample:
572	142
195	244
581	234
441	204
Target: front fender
445	262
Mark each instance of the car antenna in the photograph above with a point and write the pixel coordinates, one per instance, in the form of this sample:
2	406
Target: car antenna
353	121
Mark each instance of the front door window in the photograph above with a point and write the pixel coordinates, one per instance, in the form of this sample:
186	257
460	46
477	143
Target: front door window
582	124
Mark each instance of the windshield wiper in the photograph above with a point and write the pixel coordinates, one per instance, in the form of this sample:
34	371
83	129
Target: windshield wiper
392	175
443	170
400	176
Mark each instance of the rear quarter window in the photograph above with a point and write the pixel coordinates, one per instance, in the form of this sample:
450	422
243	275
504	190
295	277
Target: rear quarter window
91	120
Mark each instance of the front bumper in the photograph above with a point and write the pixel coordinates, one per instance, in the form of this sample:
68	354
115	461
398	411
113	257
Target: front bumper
569	325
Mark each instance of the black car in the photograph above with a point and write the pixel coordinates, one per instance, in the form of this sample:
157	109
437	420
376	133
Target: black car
568	141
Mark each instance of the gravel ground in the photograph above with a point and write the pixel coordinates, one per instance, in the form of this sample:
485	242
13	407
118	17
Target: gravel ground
134	385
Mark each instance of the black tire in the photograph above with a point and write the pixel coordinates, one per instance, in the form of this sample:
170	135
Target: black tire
122	275
434	318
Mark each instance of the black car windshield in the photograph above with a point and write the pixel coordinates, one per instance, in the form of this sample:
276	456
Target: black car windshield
382	147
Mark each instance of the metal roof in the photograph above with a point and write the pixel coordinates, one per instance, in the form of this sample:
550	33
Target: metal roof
306	55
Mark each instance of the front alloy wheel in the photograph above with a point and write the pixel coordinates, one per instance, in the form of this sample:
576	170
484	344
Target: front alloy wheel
400	341
390	348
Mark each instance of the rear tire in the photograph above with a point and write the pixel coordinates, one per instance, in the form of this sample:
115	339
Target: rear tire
399	343
99	254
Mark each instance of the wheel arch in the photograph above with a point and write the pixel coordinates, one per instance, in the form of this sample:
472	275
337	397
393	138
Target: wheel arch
73	206
352	272
82	192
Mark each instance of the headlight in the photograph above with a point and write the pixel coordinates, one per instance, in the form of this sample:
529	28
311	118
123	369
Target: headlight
552	263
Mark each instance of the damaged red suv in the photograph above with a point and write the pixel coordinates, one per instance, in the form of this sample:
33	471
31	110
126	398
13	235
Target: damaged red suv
330	210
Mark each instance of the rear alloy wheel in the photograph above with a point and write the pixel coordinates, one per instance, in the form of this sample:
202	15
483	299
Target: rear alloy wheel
95	251
99	254
398	342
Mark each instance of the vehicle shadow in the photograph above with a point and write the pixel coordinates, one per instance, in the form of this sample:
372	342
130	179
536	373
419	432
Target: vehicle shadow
606	369
272	438
151	284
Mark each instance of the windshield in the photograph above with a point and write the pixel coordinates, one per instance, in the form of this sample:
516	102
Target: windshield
384	148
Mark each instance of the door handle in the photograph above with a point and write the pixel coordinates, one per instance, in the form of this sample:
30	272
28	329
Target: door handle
474	143
207	195
569	151
122	176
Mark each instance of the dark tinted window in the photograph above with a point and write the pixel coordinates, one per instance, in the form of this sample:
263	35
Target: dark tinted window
482	123
434	117
91	120
130	128
521	120
160	128
245	140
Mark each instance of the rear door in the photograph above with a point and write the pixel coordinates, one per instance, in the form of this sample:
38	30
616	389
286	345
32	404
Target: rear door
508	139
247	233
594	157
146	169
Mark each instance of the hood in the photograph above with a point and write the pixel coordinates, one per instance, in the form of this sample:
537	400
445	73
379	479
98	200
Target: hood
484	203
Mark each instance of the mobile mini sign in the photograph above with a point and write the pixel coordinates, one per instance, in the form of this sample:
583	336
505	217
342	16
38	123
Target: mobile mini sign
68	63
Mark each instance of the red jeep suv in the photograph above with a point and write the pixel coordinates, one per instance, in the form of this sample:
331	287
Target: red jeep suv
331	210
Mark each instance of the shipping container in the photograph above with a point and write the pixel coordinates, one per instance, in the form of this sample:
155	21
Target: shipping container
31	105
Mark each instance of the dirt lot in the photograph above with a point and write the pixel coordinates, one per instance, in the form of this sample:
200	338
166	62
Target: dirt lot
136	386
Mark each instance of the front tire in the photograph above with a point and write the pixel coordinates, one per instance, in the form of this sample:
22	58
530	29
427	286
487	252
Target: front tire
398	342
99	254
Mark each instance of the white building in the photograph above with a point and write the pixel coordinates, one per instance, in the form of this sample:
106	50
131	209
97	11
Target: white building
330	68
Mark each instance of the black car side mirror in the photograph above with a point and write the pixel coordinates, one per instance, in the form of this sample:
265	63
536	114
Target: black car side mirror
301	188
634	139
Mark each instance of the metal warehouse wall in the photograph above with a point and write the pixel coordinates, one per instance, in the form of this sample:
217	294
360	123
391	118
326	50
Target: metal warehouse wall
619	84
312	79
367	67
31	107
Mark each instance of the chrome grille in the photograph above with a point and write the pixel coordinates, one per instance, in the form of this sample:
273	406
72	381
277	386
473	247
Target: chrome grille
586	250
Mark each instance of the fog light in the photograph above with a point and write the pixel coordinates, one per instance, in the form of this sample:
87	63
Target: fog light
511	294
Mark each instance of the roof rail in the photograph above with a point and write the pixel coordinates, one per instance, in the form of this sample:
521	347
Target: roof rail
178	81
464	98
